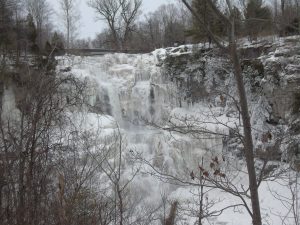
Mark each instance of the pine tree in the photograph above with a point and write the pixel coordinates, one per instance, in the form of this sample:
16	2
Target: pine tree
31	34
6	25
57	43
258	18
210	19
238	21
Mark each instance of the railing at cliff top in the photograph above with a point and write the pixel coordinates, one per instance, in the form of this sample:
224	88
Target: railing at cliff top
94	51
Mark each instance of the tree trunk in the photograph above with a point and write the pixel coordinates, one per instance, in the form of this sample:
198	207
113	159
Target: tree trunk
21	191
248	142
282	7
200	217
68	34
121	206
171	218
115	40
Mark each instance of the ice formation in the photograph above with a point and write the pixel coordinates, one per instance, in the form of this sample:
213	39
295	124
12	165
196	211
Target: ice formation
128	93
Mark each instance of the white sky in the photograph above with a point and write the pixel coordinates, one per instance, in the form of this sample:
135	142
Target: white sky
88	24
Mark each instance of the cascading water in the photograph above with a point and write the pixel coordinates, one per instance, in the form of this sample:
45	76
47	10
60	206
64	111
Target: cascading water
130	88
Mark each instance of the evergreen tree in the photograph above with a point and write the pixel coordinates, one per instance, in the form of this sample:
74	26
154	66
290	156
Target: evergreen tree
6	26
238	21
48	49
258	18
31	34
209	18
57	43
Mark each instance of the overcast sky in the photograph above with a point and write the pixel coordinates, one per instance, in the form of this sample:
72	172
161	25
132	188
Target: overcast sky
88	24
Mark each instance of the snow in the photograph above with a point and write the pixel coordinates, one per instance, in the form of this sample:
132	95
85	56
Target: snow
132	88
9	110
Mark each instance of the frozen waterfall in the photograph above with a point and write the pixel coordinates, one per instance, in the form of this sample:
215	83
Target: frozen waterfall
130	88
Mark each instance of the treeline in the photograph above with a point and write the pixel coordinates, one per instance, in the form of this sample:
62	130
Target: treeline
161	28
25	25
172	24
25	28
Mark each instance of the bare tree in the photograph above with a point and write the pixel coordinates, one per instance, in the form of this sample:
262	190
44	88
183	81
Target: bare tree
232	51
130	12
282	5
111	164
31	128
41	12
70	17
153	31
286	16
172	25
290	198
108	11
120	16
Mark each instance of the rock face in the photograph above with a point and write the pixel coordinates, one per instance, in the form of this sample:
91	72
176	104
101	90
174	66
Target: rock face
281	87
282	79
272	76
199	76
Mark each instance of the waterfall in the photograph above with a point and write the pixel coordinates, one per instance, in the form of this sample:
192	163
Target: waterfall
130	88
114	102
9	110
